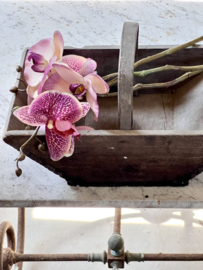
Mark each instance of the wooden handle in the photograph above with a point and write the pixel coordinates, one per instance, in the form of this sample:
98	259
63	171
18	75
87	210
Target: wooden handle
128	50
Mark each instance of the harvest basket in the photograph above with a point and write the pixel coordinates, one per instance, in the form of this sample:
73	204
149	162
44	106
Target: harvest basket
151	138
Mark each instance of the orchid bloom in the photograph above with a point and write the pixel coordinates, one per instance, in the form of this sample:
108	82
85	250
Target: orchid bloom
76	75
39	60
57	111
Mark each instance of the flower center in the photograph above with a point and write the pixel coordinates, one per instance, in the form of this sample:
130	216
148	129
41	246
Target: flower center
78	90
39	62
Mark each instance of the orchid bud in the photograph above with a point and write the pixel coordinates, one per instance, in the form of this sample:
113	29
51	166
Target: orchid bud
42	147
18	172
18	68
27	128
21	157
14	89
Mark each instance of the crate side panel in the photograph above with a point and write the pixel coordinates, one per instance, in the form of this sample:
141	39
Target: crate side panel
124	160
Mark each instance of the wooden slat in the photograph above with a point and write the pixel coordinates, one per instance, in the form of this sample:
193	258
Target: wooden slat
128	50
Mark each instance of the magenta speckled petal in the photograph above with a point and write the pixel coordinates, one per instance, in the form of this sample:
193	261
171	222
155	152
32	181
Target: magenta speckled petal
55	82
57	145
91	97
52	60
57	106
68	74
74	61
99	85
88	67
71	149
85	107
59	44
36	119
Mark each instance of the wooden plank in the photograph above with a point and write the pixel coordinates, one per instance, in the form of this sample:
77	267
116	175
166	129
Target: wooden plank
124	158
129	45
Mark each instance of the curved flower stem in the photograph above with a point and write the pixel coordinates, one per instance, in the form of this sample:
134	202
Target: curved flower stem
159	55
167	67
33	135
110	76
167	84
21	156
23	82
38	140
158	85
167	52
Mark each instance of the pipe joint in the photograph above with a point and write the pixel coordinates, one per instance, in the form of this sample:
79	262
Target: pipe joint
97	257
134	257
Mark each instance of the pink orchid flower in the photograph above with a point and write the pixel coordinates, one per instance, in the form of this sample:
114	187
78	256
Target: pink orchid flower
39	60
76	75
57	111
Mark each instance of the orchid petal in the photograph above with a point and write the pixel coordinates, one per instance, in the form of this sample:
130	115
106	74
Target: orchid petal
63	125
71	149
84	128
36	119
44	47
85	108
42	128
29	100
65	128
55	82
57	106
91	97
52	60
31	90
32	78
59	44
88	67
68	74
99	85
75	62
39	63
57	145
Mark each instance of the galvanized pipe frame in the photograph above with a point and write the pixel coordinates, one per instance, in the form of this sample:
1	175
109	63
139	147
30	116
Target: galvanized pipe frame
8	256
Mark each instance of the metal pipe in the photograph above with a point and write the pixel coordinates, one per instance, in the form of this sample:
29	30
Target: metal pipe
6	228
50	257
141	257
117	221
173	257
21	234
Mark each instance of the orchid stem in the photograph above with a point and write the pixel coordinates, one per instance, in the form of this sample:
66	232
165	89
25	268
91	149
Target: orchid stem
158	85
33	135
156	56
23	82
39	140
167	67
21	157
110	76
166	84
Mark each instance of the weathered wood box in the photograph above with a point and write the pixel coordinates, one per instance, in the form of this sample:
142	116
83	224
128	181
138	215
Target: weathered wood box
165	145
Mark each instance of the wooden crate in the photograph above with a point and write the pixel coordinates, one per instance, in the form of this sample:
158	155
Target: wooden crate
154	138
